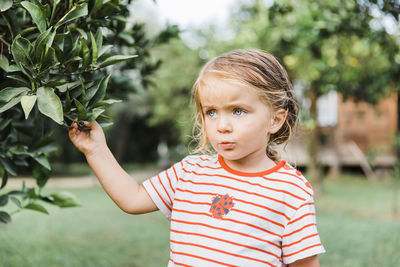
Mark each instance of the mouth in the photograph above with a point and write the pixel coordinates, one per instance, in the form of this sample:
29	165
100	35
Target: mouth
226	145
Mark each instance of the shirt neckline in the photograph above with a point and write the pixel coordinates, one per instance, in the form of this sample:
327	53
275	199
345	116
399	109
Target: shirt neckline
251	174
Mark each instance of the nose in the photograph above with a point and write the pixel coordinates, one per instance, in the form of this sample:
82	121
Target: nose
224	125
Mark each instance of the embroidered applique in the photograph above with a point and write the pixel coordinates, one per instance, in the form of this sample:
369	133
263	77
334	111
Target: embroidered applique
221	205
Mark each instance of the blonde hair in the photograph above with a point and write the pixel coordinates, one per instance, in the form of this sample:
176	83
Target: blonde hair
255	69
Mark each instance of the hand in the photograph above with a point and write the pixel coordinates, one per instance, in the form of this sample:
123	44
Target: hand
88	142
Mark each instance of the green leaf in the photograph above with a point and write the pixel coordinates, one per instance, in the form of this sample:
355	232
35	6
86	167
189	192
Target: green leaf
13	68
100	91
95	5
20	81
85	53
6	4
8	166
36	207
20	50
9	93
49	59
68	103
99	38
4	124
16	202
27	103
5	217
40	44
3	200
115	59
42	160
67	86
106	102
41	174
95	52
83	90
75	12
37	15
104	49
11	103
4	63
82	114
65	200
96	112
4	180
49	104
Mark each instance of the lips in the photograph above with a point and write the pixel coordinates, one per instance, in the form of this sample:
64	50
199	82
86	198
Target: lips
226	145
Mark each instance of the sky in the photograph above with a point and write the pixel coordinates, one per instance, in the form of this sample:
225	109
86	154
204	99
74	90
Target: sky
188	13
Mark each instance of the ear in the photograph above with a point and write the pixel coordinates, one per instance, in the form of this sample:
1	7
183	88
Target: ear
277	120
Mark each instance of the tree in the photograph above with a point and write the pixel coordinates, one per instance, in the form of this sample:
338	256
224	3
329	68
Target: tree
328	45
55	56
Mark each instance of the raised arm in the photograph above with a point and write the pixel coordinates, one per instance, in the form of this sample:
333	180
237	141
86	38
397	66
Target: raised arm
119	185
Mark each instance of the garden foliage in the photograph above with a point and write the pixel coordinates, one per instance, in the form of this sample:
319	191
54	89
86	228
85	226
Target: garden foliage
54	70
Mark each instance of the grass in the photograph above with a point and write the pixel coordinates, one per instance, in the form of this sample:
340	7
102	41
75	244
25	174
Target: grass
354	221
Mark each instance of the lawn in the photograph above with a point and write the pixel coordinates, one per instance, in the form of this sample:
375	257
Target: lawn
354	221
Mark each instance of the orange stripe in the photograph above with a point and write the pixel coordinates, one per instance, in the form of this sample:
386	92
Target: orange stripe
305	204
203	159
202	258
297	178
220	251
159	179
227	230
176	175
304	238
258	216
192	192
180	264
304	215
226	241
247	182
170	184
160	196
287	182
300	229
251	174
204	167
264	207
192	202
236	199
291	174
237	210
230	220
301	250
244	191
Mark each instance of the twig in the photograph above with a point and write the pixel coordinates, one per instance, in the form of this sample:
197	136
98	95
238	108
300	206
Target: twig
6	43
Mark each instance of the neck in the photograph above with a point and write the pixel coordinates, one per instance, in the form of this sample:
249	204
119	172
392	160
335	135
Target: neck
251	164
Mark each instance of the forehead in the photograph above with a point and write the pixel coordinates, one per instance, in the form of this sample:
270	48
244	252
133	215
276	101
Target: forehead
220	89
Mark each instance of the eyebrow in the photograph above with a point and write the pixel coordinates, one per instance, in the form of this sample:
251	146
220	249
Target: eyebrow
233	105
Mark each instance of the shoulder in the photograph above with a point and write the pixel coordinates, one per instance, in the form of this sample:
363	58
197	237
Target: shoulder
293	179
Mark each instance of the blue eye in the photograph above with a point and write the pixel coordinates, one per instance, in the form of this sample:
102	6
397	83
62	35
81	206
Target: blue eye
238	111
211	113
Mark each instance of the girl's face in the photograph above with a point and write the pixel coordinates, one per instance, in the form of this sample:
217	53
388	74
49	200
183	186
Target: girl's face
238	124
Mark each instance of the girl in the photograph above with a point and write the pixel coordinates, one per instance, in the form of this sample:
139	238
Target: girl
235	205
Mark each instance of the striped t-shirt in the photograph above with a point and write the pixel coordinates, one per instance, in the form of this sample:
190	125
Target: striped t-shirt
220	216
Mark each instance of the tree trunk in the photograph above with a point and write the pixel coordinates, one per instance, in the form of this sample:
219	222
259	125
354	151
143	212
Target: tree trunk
314	164
122	138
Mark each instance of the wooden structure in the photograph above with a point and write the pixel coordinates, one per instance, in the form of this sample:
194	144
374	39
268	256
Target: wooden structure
362	136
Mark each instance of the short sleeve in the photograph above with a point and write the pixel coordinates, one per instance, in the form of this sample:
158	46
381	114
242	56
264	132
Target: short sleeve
300	239
161	188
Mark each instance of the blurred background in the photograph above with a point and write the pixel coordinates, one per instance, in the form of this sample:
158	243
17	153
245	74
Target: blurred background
343	58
